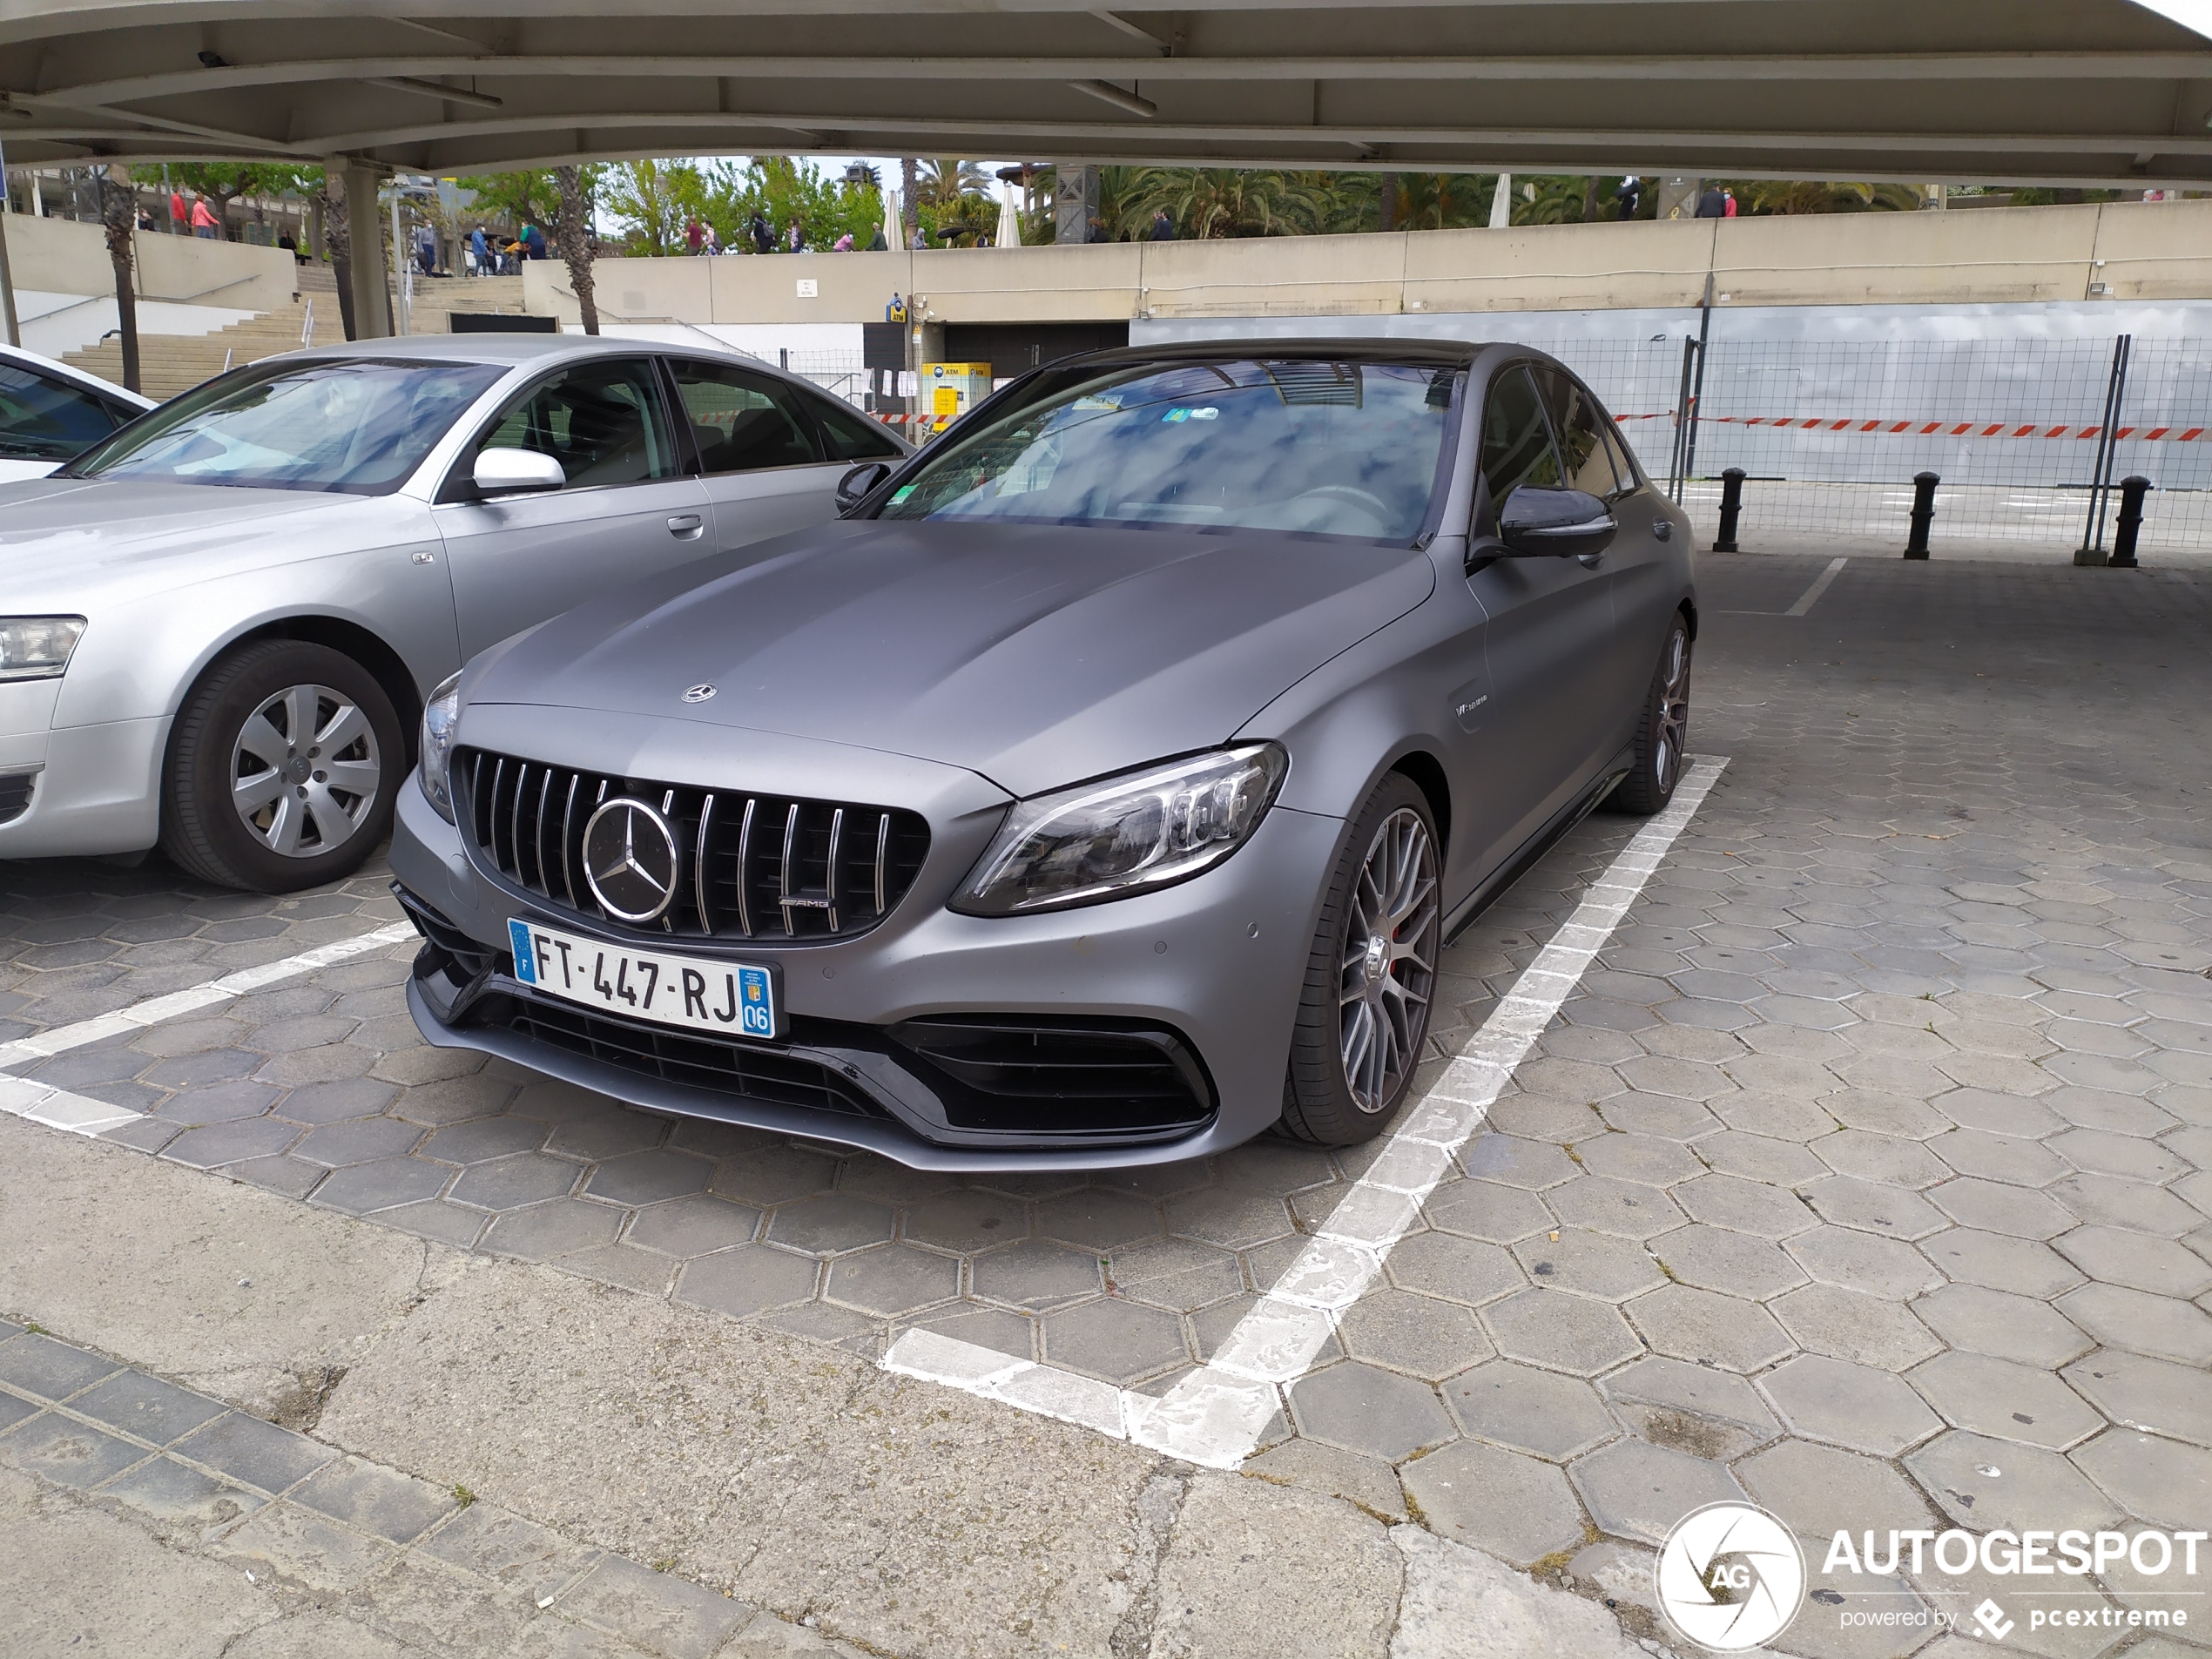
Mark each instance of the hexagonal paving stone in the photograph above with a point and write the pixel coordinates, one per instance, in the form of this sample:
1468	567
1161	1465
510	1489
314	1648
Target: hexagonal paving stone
1488	1210
358	1141
1621	1207
1713	1259
1231	1219
2009	1158
1516	1508
1851	1405
1538	1411
1513	1161
332	1103
607	1133
2139	1261
1726	1330
746	1281
1850	1324
892	1279
1636	1490
478	1138
2118	1202
1866	1262
829	1223
1365	1409
1592	1264
1980	1484
1746	1206
1886	1159
1414	1334
1692	1408
967	1218
1116	1340
544	1230
2167	1484
1461	1269
694	1225
1033	1274
362	1189
1981	1320
1638	1157
504	1184
2140	1322
221	1143
2000	1263
1098	1221
2004	1399
2128	1155
648	1177
1868	1206
772	1172
1817	1491
1565	1332
2139	1392
1177	1273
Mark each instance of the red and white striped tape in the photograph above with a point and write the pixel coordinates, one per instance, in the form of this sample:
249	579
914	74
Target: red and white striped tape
1937	428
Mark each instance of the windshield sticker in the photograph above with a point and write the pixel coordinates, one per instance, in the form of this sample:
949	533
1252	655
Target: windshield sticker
900	494
1191	414
1094	401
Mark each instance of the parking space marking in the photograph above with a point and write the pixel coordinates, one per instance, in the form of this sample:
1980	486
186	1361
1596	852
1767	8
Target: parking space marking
154	1009
1819	586
58	1109
1216	1415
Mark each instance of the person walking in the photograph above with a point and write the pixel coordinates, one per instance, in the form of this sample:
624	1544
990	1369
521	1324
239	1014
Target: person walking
694	238
1728	210
1711	203
205	225
533	242
179	215
795	239
480	251
764	238
710	242
1162	227
876	244
1631	196
843	244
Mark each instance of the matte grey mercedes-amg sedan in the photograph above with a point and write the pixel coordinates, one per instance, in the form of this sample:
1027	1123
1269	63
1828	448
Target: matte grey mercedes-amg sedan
1100	790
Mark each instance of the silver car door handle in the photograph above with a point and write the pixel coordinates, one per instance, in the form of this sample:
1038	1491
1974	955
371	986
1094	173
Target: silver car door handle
684	524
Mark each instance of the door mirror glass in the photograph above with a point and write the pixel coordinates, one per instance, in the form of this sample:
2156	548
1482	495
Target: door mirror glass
507	472
851	487
1554	524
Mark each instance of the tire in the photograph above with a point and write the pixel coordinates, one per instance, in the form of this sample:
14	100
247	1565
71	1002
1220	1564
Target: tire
303	825
1363	1014
1662	731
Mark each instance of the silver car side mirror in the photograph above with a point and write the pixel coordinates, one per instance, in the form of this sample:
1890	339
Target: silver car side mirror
508	472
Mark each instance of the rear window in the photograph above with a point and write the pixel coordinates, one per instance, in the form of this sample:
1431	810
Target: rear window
1329	448
356	425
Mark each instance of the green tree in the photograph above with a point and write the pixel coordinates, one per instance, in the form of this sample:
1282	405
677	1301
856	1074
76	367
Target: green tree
531	197
784	191
653	201
224	182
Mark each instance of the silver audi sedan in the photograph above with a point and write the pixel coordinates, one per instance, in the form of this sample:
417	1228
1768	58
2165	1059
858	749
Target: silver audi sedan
218	626
1101	789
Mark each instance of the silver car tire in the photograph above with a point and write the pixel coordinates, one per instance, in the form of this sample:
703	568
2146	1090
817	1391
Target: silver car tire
283	767
1364	1012
1663	731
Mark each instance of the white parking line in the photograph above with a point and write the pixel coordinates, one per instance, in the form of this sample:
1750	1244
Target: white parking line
153	1009
1819	586
1216	1415
58	1109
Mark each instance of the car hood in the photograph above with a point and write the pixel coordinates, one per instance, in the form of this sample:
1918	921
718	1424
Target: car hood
68	529
1037	656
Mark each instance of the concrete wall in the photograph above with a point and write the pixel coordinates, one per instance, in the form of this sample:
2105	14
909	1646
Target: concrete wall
60	256
2140	250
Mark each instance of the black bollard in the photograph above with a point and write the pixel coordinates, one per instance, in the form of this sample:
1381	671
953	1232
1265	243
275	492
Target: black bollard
1732	509
2132	491
1923	490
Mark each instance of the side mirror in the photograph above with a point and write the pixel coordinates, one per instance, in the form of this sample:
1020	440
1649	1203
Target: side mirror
508	472
1554	524
853	487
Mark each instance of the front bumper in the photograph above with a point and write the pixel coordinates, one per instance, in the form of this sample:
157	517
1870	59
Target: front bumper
92	789
1215	964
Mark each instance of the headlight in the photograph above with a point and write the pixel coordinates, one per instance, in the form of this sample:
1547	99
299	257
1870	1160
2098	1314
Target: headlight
438	717
38	648
1122	835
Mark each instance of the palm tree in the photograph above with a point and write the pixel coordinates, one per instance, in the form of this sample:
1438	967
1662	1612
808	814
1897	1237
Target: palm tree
1442	201
944	181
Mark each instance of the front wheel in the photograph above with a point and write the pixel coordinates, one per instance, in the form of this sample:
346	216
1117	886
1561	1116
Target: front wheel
1364	1013
285	764
1662	731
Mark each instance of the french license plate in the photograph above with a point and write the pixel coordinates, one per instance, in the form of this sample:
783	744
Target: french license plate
695	993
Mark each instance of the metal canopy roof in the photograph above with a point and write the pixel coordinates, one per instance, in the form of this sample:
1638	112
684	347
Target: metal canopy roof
2037	92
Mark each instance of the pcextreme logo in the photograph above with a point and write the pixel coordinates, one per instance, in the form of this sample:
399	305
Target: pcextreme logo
1730	1577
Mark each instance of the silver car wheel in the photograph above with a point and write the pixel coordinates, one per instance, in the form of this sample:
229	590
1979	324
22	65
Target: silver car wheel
1674	713
1389	967
304	772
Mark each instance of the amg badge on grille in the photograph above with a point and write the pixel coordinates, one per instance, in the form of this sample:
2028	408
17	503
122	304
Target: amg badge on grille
698	693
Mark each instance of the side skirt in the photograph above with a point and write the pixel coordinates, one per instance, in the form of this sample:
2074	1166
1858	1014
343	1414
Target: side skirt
1469	909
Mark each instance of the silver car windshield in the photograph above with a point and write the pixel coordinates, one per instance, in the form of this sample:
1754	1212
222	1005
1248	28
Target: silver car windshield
1327	447
352	425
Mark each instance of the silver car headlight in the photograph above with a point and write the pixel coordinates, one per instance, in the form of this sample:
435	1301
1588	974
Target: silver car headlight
439	714
1106	839
38	648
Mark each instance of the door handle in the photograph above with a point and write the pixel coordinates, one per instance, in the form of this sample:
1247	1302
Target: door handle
685	525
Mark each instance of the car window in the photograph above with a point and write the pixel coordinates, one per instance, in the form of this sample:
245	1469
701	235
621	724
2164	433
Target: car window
743	421
1578	427
603	420
44	418
357	425
1332	447
1517	439
852	435
1624	462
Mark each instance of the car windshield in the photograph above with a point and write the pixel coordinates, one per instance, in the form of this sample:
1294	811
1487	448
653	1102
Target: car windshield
1302	444
45	419
354	425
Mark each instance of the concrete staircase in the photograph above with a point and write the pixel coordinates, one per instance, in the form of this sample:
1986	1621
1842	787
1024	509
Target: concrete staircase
437	298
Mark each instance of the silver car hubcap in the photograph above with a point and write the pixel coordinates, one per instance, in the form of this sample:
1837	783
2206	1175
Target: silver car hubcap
1674	711
1389	967
304	772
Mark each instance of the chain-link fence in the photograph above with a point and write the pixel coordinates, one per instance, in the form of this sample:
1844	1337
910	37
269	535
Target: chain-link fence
1831	434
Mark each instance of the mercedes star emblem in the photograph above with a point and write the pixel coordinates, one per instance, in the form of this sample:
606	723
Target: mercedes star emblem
630	859
698	693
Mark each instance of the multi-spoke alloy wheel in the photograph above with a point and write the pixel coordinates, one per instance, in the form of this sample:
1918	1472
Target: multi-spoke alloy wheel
283	767
1371	972
305	770
1389	967
1662	729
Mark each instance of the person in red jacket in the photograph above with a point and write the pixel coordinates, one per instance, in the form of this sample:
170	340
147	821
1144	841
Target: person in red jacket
204	222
